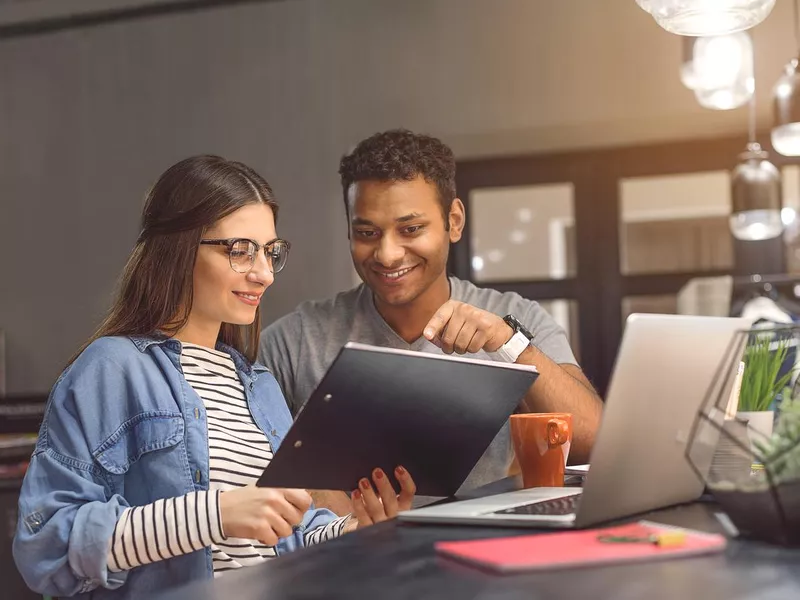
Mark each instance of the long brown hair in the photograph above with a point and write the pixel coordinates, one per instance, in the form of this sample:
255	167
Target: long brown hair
155	290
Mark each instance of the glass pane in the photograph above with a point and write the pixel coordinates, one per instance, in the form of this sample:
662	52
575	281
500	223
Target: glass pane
791	207
663	304
675	223
707	296
565	313
2	363
522	233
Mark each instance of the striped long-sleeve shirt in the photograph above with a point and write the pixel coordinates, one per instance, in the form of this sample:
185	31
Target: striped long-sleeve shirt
238	451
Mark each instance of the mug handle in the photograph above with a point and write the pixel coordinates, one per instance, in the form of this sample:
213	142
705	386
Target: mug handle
557	432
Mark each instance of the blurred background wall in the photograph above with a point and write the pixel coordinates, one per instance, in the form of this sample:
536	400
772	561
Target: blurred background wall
91	114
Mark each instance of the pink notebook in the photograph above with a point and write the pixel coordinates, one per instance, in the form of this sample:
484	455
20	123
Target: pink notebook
576	548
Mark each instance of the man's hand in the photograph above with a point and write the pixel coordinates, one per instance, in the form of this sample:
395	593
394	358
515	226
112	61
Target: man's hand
462	328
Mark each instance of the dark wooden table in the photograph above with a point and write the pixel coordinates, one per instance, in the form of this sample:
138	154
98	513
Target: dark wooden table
396	560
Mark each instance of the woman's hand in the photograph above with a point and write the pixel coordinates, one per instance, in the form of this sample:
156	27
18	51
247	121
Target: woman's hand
263	514
370	507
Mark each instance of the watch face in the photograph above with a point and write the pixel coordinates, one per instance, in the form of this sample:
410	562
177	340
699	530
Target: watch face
514	323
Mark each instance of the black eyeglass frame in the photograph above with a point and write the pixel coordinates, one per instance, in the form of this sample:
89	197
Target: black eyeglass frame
229	243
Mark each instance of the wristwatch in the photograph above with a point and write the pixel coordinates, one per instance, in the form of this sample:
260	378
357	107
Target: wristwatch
510	351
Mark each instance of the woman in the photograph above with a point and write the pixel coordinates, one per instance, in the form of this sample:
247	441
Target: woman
143	473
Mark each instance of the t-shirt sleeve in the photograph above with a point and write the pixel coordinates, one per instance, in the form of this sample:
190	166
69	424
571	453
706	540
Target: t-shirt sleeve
278	351
548	336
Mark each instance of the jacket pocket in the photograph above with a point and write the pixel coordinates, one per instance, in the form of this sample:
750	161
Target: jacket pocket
146	432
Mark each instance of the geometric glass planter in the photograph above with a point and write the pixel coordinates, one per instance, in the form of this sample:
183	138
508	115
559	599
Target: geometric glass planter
755	478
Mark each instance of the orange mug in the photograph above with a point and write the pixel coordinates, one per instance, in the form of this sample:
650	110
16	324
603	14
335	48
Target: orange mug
541	445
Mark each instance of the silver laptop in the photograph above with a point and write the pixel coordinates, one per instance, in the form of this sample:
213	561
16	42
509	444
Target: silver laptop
664	368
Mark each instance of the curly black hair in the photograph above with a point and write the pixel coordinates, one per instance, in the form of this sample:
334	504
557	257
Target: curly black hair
401	155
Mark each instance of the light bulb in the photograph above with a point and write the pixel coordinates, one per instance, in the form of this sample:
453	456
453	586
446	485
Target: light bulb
722	71
719	59
756	225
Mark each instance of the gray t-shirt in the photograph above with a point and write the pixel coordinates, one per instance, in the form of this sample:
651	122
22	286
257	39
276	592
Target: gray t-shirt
299	348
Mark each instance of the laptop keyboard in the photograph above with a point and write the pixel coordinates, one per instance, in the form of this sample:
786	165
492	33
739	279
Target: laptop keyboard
566	505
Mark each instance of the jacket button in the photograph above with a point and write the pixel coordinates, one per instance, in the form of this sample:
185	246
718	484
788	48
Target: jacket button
197	475
274	432
196	413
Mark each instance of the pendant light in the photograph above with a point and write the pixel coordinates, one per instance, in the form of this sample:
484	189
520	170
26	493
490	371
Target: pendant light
786	104
755	191
707	17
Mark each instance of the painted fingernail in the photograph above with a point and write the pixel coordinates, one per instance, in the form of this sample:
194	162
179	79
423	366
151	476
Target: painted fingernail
400	471
378	474
356	495
364	484
428	333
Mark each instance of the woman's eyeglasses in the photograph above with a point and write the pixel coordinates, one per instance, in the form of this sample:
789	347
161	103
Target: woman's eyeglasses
242	253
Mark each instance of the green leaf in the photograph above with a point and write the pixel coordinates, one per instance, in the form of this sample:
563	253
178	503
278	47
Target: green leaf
761	381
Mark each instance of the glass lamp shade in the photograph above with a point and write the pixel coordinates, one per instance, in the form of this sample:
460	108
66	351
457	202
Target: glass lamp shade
755	196
707	17
786	104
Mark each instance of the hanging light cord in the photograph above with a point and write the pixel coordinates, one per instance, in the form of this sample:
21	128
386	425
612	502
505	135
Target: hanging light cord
751	125
796	27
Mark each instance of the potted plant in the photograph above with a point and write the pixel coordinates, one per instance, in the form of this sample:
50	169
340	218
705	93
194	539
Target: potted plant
762	382
754	478
781	452
766	505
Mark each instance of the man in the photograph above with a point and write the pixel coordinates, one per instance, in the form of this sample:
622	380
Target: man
403	214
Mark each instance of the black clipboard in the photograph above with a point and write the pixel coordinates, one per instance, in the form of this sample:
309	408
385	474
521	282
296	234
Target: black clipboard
383	407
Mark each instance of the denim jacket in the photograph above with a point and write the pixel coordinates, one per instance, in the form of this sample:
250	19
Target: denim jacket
123	428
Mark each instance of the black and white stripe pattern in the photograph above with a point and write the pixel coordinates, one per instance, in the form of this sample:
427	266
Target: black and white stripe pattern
238	452
165	528
321	534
